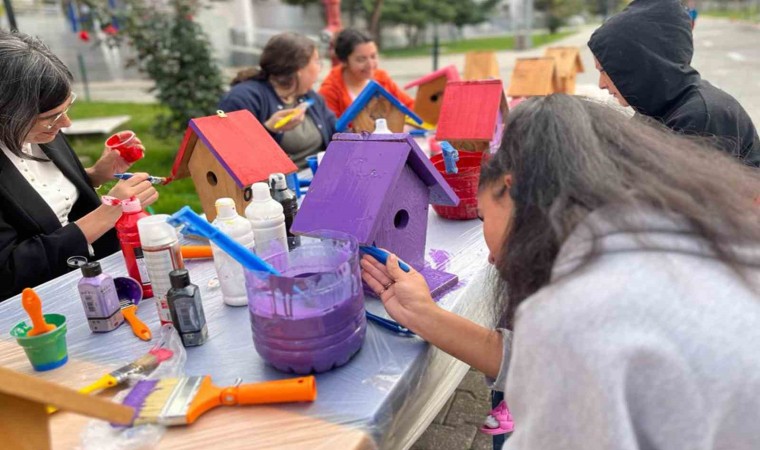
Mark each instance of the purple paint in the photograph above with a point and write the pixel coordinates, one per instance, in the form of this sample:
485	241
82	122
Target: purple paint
376	188
311	318
440	258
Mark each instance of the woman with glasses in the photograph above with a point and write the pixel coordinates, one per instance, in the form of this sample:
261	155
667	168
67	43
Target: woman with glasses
49	210
282	88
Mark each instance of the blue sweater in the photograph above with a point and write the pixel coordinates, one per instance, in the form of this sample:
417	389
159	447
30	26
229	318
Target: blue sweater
262	101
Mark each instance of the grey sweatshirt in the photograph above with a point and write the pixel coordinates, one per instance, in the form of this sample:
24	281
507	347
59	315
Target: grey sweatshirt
640	349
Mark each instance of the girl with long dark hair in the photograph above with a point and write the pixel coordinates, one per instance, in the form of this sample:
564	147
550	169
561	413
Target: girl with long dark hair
628	262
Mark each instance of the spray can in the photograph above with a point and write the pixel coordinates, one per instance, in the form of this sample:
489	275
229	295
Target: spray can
267	220
129	238
229	271
187	309
161	250
278	187
99	298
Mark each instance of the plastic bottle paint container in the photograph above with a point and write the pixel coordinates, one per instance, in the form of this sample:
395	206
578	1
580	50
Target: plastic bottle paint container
129	239
311	318
230	272
267	220
187	309
99	298
381	127
278	187
162	254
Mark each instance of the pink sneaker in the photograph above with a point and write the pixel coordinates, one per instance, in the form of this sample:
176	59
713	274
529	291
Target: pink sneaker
499	421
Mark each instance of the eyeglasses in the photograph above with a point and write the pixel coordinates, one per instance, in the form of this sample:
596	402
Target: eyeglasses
53	120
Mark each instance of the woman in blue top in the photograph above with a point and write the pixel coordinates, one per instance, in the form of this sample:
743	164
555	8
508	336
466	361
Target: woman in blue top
289	67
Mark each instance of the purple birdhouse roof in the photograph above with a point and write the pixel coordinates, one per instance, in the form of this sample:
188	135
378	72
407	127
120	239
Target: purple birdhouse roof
356	178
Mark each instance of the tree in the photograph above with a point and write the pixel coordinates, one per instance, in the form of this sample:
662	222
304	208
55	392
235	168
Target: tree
175	53
557	11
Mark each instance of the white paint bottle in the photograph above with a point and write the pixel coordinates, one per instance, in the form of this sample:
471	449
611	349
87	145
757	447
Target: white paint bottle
267	220
228	270
162	254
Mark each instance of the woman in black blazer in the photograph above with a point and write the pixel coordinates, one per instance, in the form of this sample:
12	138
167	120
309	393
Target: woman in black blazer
39	232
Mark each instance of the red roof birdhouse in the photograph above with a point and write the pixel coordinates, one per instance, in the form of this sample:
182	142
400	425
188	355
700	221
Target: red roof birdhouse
473	115
225	154
430	88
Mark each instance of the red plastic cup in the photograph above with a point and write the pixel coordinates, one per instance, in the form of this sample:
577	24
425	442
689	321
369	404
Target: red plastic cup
125	143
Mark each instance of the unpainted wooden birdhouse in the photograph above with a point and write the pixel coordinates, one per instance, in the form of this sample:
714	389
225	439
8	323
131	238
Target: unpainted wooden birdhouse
225	154
568	66
473	115
375	102
481	65
24	417
430	89
378	188
533	77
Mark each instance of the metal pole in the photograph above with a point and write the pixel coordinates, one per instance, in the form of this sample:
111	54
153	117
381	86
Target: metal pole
529	24
83	71
11	16
436	47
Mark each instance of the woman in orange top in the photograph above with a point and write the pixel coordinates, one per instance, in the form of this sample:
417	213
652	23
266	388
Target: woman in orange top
358	56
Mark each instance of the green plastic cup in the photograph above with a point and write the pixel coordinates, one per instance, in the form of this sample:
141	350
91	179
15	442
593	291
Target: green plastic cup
45	351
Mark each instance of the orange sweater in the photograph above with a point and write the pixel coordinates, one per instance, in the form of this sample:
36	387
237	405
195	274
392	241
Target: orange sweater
338	99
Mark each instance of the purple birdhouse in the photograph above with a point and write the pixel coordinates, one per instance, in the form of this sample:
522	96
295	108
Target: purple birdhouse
378	188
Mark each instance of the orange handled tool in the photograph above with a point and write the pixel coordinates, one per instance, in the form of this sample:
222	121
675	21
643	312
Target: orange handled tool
303	389
33	306
196	251
129	310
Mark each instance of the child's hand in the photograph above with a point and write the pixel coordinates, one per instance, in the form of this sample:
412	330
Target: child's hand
405	295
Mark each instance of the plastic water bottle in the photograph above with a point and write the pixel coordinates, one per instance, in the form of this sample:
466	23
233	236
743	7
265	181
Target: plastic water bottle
162	253
287	198
267	220
229	271
129	238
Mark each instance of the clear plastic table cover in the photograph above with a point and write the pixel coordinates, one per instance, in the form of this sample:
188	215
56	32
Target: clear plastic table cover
390	390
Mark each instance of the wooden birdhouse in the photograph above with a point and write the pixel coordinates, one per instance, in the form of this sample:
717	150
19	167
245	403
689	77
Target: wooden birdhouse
533	77
372	103
24	419
569	65
225	154
473	115
378	188
430	88
481	66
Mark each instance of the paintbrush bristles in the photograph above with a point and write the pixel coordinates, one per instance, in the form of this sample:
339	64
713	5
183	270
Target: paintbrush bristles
154	403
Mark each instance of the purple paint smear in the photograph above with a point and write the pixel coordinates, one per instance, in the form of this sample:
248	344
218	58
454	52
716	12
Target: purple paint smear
440	259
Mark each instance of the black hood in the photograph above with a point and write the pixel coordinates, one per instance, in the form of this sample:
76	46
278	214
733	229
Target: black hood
646	50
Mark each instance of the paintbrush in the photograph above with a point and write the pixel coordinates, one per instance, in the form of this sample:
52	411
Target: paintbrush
180	401
144	364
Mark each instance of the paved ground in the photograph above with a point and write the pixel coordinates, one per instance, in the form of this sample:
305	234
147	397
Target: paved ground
726	53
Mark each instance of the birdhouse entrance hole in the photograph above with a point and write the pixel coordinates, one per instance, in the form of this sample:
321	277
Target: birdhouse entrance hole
401	220
211	177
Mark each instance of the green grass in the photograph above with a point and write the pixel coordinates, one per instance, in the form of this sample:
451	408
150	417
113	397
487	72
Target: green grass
751	15
159	153
467	45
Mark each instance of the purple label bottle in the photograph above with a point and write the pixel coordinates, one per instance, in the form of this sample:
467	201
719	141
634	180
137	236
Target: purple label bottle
99	298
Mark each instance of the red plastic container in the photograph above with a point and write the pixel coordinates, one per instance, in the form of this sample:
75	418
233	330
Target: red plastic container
464	183
129	238
124	143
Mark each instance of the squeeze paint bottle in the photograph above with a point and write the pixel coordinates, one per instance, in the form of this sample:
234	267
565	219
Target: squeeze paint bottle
267	220
229	271
161	249
381	127
187	309
129	239
99	298
279	189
